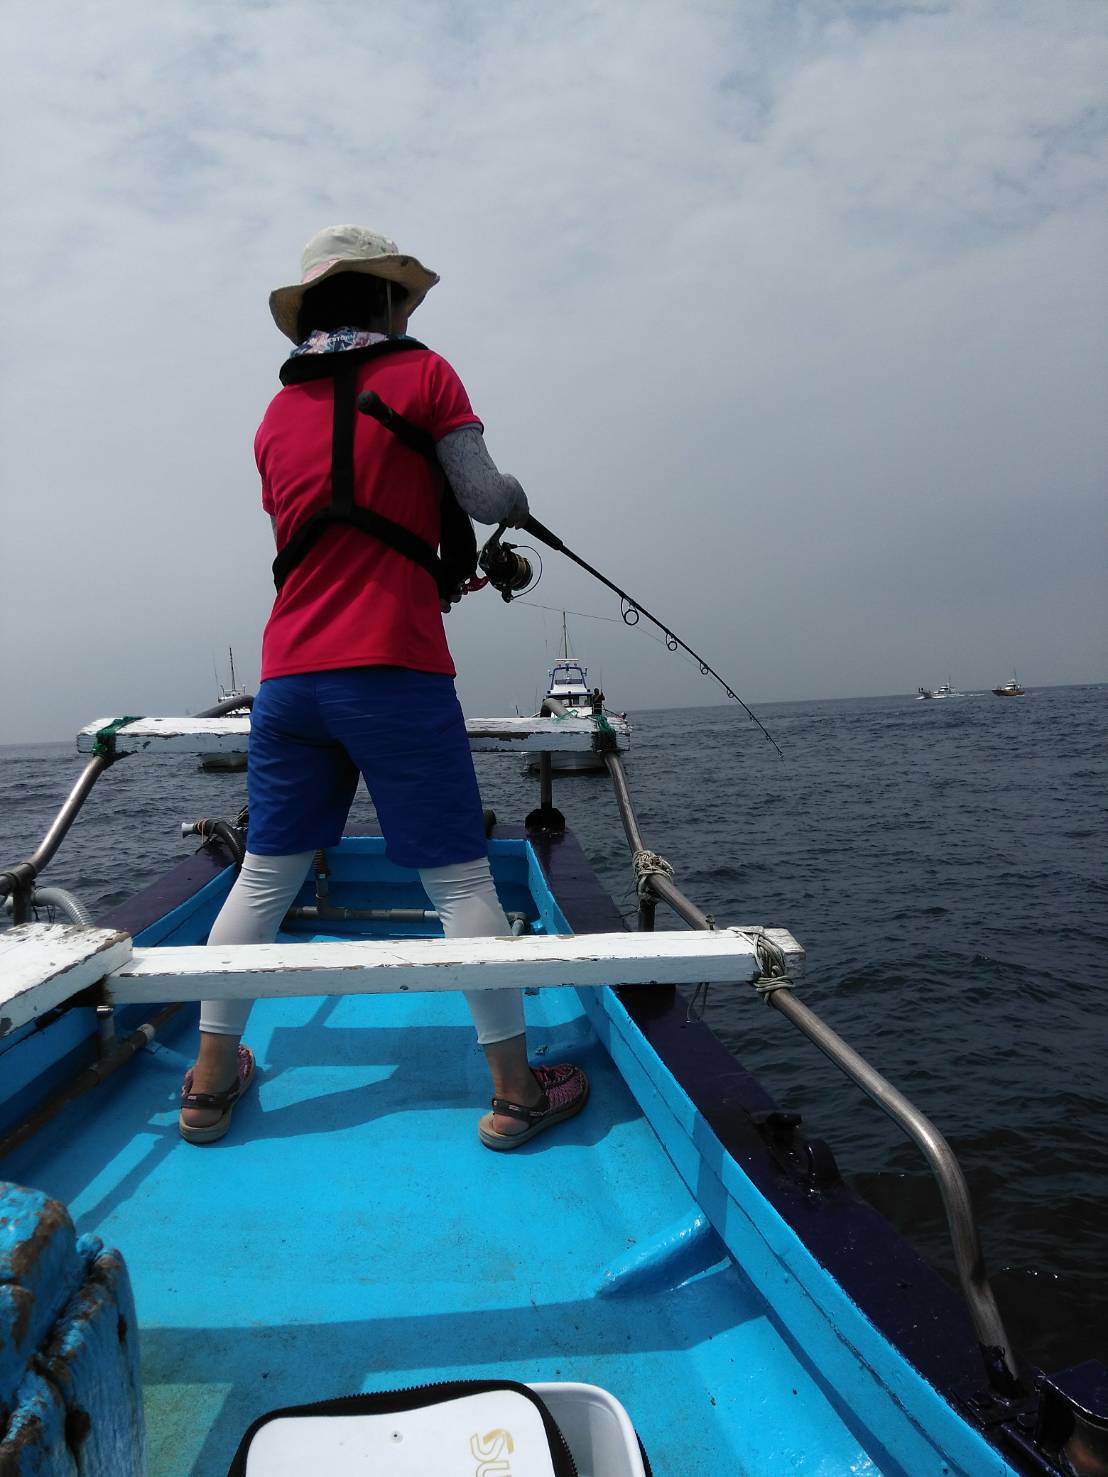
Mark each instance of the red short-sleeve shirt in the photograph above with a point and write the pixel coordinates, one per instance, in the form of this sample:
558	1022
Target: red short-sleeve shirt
352	601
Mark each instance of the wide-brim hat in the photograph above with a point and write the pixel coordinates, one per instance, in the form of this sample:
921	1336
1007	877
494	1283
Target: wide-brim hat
349	249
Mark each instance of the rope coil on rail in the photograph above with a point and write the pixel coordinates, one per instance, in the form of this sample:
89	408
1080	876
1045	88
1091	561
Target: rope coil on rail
647	864
768	984
774	974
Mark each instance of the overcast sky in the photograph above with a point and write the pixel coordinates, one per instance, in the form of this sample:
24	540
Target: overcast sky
790	317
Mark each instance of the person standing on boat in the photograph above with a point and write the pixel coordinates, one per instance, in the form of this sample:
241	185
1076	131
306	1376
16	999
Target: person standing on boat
356	674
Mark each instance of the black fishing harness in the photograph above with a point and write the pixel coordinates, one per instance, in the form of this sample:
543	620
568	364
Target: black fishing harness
457	560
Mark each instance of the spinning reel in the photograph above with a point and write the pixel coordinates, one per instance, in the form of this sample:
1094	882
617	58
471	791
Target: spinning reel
506	568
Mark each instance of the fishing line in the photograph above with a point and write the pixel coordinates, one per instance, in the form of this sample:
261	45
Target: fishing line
608	620
585	615
509	572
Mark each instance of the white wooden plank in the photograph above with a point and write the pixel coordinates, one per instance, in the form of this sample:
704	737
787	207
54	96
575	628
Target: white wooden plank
172	735
526	729
357	967
44	964
187	735
536	735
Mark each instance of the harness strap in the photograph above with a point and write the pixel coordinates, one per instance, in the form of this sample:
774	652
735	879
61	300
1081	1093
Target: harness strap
414	437
342	439
458	542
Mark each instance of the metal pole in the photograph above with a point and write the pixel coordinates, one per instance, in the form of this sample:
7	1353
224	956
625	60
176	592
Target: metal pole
21	877
968	1256
68	813
228	705
623	801
663	887
91	1077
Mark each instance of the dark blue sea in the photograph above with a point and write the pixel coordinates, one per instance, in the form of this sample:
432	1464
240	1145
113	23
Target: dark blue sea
944	864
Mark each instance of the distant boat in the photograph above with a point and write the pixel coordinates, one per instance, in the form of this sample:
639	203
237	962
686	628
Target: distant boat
568	693
1009	689
228	763
943	690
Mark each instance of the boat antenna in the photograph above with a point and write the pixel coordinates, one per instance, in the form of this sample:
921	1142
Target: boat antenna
509	572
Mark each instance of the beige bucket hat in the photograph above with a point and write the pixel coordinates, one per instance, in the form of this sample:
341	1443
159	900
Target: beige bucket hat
349	249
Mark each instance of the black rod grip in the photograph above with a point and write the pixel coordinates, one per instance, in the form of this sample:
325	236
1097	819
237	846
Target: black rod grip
542	533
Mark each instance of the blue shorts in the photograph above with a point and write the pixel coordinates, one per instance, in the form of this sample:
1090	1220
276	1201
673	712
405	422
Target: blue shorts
311	735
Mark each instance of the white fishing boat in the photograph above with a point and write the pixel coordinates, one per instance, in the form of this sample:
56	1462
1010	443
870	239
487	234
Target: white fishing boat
943	690
232	699
568	695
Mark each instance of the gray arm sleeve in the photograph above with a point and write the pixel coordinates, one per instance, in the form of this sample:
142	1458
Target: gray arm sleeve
486	494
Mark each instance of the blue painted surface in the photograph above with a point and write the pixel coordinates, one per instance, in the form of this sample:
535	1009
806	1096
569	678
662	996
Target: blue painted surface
39	1271
70	1394
351	1233
43	1056
668	1259
40	1057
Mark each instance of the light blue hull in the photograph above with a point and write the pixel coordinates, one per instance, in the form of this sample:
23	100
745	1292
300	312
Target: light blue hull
352	1234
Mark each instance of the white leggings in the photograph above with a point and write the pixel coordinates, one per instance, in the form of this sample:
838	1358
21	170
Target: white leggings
463	894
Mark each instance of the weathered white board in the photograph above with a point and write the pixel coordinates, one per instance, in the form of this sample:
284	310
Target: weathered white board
367	967
534	735
43	964
171	735
229	735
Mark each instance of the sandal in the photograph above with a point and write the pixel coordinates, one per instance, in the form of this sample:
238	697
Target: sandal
225	1101
565	1091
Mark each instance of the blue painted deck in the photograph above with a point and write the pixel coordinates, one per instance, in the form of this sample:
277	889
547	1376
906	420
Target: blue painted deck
351	1234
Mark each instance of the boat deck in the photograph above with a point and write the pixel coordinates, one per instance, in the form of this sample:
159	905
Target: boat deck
351	1234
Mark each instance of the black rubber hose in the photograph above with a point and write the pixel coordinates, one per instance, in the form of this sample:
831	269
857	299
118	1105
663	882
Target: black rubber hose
225	832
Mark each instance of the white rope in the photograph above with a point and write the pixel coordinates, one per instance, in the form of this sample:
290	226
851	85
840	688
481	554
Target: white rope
768	984
648	864
774	974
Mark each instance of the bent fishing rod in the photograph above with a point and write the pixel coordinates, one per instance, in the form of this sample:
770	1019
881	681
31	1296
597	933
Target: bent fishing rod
509	571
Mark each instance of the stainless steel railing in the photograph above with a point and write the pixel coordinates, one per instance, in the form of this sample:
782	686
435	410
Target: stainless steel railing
969	1259
18	881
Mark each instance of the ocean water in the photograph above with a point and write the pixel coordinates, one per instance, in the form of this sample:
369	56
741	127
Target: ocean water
944	864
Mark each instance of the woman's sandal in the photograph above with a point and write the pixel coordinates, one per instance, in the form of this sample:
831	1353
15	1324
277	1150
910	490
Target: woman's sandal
565	1091
225	1101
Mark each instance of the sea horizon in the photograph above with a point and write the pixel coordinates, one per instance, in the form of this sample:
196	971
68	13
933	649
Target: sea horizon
971	690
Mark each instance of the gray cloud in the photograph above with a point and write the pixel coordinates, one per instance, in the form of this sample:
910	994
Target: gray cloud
791	319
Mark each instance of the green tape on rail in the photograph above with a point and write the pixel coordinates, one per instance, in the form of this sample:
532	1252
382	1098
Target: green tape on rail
105	737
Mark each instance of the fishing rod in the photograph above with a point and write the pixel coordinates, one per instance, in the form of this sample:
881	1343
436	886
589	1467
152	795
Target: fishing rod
508	571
